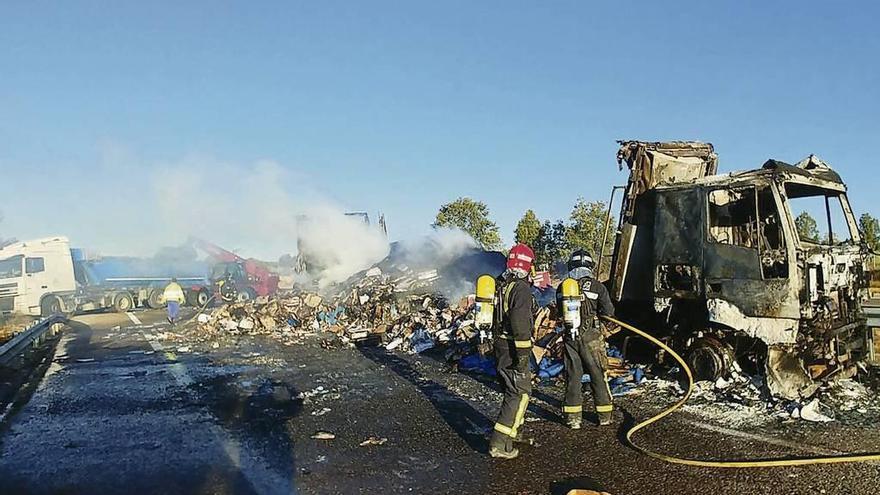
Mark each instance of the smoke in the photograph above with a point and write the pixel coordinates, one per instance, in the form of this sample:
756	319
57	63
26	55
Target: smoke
338	246
265	210
123	204
456	256
129	206
250	208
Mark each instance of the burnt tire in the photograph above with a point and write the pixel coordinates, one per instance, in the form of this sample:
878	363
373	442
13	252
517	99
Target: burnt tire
50	305
123	303
710	359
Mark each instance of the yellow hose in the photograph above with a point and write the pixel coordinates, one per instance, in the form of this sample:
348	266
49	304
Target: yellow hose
800	461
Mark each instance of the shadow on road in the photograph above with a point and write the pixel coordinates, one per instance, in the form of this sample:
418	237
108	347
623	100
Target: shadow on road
468	423
535	409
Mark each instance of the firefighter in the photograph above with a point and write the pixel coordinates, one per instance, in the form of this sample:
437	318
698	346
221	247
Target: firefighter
174	297
512	346
584	342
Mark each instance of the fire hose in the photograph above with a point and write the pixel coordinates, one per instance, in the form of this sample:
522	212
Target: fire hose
762	463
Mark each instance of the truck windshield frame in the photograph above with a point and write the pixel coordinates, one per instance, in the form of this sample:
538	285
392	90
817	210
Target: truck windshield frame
827	207
11	267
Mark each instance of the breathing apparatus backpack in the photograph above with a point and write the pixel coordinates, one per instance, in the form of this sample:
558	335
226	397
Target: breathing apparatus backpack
576	311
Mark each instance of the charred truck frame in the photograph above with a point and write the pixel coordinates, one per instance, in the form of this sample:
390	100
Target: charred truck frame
715	263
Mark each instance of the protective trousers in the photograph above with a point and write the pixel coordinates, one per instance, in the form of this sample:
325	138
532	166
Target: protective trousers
516	387
586	353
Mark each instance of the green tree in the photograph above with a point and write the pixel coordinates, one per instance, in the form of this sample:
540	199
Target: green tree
528	229
551	244
586	227
807	228
870	228
472	217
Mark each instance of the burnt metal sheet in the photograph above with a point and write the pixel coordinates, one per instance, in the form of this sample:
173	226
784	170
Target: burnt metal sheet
678	227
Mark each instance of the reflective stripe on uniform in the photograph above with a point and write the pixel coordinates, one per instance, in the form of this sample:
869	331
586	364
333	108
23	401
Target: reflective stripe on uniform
520	413
505	298
505	430
607	387
592	295
605	409
519	344
572	409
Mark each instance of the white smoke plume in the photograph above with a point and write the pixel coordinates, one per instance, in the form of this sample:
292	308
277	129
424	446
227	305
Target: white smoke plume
455	254
266	211
338	246
126	205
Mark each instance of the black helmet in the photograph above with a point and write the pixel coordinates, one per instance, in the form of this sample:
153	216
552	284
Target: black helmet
580	259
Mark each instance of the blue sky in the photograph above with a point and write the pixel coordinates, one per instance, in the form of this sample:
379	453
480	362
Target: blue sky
401	106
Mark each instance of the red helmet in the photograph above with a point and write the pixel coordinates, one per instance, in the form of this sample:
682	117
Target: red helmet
520	257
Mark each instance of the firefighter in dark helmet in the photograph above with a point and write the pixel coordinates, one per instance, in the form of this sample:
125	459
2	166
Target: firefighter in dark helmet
513	346
580	299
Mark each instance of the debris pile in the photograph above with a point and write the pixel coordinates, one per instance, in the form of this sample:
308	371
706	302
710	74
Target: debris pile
400	312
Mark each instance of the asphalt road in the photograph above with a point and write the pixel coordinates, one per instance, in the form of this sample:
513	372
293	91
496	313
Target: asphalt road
119	409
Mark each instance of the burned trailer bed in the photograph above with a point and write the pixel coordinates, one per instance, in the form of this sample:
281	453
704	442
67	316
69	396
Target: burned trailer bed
715	263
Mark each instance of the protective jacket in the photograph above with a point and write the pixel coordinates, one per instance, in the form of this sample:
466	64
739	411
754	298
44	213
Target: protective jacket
512	346
584	352
173	292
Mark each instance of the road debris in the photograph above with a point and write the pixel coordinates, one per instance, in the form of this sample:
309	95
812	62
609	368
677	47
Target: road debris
373	441
323	435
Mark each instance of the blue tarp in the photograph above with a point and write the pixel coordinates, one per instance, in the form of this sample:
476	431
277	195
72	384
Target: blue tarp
479	364
330	317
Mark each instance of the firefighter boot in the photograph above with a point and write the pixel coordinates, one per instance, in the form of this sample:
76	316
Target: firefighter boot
573	421
501	447
605	418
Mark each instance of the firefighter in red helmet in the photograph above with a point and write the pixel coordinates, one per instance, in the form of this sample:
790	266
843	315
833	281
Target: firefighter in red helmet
512	346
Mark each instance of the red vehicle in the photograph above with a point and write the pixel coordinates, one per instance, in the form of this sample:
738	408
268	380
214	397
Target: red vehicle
234	278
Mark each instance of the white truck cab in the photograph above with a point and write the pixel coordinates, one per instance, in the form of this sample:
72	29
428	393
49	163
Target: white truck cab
36	277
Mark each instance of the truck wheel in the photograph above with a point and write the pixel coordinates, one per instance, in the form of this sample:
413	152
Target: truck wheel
50	305
154	300
202	297
123	303
246	294
710	359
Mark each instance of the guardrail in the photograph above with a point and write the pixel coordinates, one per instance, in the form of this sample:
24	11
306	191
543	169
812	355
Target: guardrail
28	337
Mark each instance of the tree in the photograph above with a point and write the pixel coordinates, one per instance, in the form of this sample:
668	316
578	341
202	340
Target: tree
870	228
807	227
472	217
551	244
586	227
528	229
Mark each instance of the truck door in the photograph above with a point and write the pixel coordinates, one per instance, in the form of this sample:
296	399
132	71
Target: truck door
11	284
36	281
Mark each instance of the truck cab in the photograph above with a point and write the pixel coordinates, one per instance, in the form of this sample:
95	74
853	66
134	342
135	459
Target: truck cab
721	265
36	277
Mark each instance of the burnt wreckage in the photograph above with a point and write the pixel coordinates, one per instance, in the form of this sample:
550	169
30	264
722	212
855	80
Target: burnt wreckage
716	264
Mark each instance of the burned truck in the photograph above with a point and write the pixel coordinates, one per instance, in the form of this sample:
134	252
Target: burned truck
762	270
